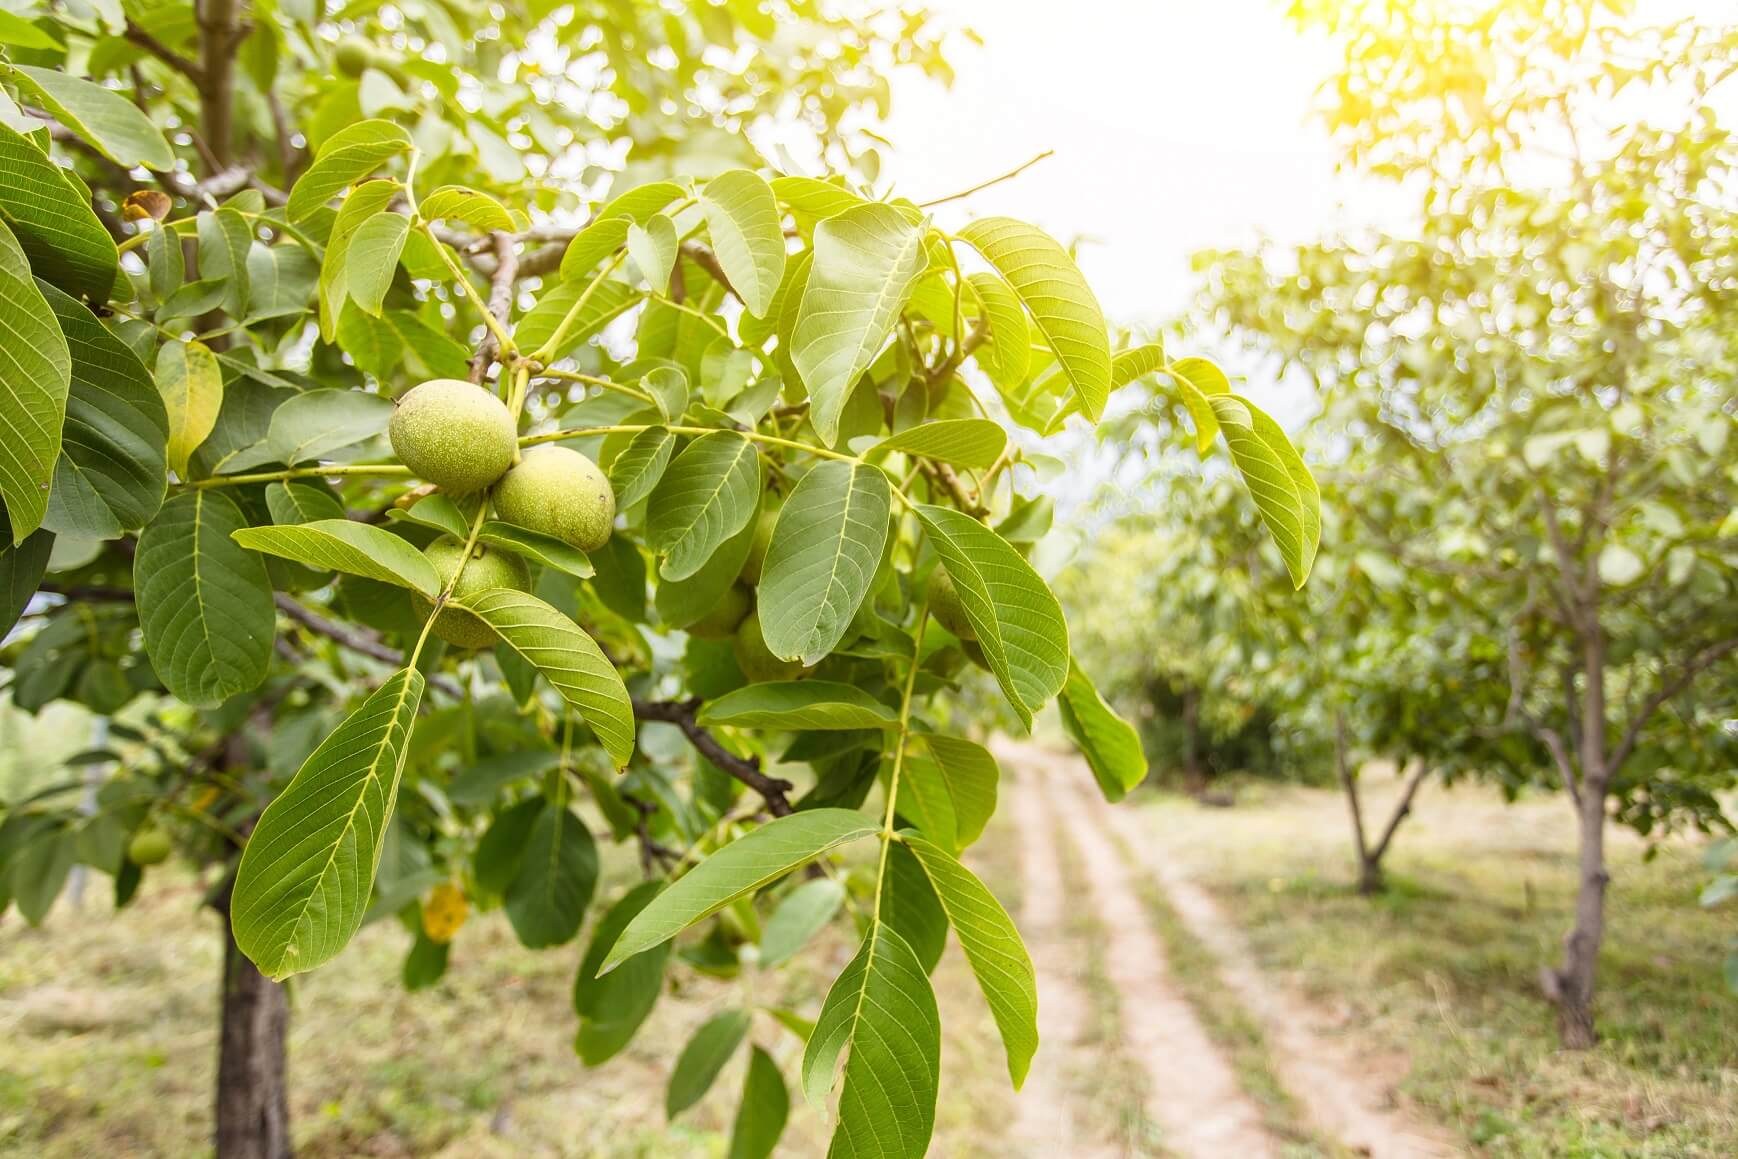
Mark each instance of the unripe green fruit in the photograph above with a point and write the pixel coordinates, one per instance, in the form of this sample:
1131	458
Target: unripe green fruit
558	491
149	846
456	435
945	606
488	569
755	659
757	547
726	615
353	56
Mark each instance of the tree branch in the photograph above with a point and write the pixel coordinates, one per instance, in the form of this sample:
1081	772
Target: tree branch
745	769
220	31
500	300
1402	809
356	641
1697	664
145	40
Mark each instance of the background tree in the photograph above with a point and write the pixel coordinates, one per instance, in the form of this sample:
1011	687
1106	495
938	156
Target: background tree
1546	359
420	523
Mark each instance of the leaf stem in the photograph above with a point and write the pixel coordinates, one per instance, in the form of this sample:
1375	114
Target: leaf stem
330	470
899	757
982	185
546	352
447	591
594	380
503	340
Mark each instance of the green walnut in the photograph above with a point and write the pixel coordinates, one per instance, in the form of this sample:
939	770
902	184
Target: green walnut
558	491
757	547
352	56
149	846
487	570
455	434
726	615
945	606
756	659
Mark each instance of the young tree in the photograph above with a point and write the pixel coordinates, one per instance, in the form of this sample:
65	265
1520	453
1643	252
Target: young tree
400	506
1545	362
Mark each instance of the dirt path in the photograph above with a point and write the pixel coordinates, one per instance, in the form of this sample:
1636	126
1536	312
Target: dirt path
1193	1093
1343	1095
1045	1126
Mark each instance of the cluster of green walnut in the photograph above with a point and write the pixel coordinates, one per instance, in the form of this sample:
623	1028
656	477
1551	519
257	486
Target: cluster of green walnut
463	439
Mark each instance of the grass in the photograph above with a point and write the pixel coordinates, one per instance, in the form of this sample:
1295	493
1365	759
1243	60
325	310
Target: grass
1443	969
108	1021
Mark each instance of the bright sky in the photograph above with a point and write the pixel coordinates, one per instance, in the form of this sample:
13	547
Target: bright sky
1178	125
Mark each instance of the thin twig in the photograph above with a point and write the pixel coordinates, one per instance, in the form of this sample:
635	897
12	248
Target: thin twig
681	713
145	40
982	185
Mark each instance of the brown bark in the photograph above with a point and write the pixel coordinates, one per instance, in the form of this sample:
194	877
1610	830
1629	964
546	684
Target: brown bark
252	1104
220	34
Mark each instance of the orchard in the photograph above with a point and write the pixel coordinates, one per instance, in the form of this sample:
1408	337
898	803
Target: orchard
525	468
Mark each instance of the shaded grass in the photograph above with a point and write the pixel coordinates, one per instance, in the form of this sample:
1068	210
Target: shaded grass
1443	969
108	1044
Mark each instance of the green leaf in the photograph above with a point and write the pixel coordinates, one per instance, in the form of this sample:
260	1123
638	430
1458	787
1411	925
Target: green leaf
205	604
1109	743
1199	380
640	465
739	868
803	913
1017	620
225	238
609	229
1006	355
373	259
568	658
21	569
683	602
742	218
543	549
608	299
957	785
707	495
21	33
347	546
653	248
814	198
102	117
557	876
1284	492
702	1059
501	850
883	1010
668	386
612	1007
191	385
992	945
364	203
302	503
109	477
865	263
1062	304
967	442
1135	363
799	704
760	1120
910	907
471	206
308	868
53	221
35	374
345	158
825	549
281	281
312	425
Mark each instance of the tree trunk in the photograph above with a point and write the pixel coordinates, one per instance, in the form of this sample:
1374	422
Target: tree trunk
1194	780
253	1109
1571	985
1370	882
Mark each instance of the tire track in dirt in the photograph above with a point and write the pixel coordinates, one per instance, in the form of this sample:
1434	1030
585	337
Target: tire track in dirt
1339	1091
1193	1091
1045	1125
